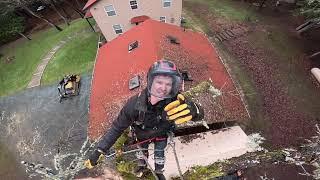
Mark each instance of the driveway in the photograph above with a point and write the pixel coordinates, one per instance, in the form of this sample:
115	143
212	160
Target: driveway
48	137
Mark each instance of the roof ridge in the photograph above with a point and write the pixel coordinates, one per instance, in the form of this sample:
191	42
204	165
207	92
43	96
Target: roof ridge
153	35
89	4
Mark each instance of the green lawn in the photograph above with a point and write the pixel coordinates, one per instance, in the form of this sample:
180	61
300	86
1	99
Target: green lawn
290	60
273	38
227	9
76	57
230	11
16	75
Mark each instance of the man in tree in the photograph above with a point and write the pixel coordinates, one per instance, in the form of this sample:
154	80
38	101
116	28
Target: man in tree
152	114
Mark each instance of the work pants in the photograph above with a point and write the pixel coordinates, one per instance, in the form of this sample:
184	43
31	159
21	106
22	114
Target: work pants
159	159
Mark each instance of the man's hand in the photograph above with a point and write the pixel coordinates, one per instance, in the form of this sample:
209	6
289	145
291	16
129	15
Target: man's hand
181	111
94	159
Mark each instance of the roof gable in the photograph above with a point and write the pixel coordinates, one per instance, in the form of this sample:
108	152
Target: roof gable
89	3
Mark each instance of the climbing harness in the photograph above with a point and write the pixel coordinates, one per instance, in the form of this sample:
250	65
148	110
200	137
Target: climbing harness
170	142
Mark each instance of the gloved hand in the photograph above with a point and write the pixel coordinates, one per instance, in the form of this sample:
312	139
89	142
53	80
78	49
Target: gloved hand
94	159
181	111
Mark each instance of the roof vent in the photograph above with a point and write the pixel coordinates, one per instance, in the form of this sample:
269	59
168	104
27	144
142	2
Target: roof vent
133	46
173	40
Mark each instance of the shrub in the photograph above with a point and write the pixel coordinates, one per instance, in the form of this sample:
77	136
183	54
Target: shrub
309	8
11	25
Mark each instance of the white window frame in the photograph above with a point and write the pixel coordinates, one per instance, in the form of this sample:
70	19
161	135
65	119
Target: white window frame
110	11
132	46
115	30
166	1
165	19
133	5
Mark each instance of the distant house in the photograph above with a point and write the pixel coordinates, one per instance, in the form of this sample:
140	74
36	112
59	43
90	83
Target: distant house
134	51
115	17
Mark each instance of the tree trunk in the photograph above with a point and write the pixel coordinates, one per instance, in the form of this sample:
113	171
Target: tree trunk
42	18
79	5
262	3
23	13
75	9
308	27
55	9
64	11
21	34
314	55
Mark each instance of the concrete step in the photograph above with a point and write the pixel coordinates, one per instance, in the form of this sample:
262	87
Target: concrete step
41	67
206	148
230	33
219	38
35	81
56	48
226	35
223	36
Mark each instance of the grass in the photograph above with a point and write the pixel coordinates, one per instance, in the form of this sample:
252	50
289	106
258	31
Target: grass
16	75
194	23
293	75
251	94
76	57
227	9
252	97
275	40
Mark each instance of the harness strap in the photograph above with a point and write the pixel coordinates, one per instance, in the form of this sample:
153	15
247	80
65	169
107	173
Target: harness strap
148	140
160	139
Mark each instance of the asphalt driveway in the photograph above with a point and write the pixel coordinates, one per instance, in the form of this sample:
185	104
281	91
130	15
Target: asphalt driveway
48	137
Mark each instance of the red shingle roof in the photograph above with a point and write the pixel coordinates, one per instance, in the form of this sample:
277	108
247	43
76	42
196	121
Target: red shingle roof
88	14
89	3
115	65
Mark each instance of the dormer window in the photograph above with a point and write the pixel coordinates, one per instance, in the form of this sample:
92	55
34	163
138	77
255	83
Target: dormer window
173	40
166	3
162	19
133	46
134	4
110	10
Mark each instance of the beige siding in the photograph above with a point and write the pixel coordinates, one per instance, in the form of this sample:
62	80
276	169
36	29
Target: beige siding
152	8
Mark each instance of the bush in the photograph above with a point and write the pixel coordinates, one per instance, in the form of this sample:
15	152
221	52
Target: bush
309	8
11	25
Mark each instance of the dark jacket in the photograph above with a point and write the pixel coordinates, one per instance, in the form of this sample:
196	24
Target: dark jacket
148	121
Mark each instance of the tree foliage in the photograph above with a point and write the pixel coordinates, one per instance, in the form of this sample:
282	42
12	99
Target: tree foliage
27	6
309	8
11	25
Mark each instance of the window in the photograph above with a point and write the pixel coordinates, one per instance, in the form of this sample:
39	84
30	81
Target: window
133	46
117	29
110	10
172	20
162	19
166	3
134	4
173	40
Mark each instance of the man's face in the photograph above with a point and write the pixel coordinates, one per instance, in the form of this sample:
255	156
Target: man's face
161	86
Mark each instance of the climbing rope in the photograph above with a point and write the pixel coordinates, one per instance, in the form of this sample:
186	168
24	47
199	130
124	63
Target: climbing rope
173	144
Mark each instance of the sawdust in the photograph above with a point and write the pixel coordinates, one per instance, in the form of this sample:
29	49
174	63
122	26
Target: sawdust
189	138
